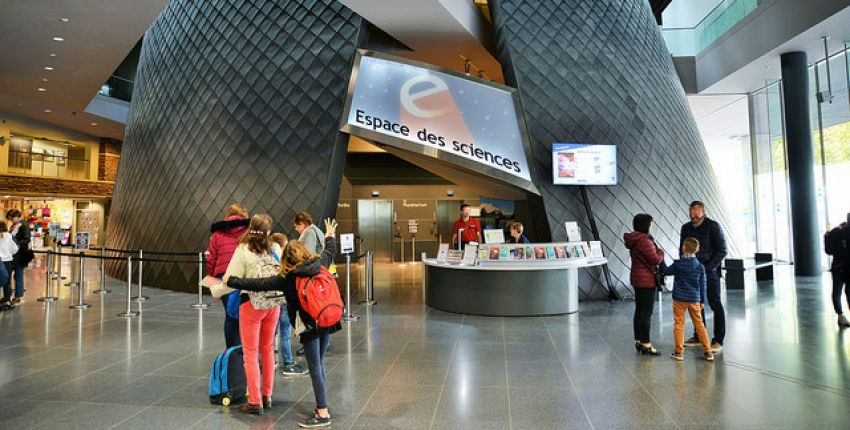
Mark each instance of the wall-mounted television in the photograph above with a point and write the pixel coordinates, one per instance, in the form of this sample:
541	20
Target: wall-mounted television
584	164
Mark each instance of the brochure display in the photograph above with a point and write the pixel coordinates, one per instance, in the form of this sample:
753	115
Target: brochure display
509	279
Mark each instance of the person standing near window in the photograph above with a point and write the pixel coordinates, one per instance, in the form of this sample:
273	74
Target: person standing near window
21	235
711	254
471	228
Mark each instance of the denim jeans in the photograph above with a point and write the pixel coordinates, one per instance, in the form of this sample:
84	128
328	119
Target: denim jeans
839	284
716	305
284	328
314	352
19	280
6	280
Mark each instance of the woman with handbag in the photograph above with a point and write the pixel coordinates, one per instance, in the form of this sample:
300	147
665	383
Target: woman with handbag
21	234
259	311
646	256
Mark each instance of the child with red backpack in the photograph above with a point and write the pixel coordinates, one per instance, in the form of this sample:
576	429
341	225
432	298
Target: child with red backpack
315	308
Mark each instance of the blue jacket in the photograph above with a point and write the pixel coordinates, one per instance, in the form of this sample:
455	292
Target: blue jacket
690	283
712	243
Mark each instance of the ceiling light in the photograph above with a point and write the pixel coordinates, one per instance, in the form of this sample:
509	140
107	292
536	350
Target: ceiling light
58	39
48	68
42	89
47	111
94	123
52	54
43	79
63	19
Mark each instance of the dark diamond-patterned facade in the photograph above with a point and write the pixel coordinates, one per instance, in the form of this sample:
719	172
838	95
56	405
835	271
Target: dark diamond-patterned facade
597	71
235	101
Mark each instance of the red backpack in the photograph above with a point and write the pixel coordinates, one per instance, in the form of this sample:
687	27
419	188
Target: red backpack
319	297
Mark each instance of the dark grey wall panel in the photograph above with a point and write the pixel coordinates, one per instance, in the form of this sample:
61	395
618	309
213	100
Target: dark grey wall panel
597	71
235	100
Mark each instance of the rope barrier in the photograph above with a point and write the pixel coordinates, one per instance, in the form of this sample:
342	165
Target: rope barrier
132	251
98	257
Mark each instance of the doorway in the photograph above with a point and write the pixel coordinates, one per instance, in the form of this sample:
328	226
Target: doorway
374	224
448	211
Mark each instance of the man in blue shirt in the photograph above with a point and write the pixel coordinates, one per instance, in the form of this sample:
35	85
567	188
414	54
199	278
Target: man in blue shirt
711	253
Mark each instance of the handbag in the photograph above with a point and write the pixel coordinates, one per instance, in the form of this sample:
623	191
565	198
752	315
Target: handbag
27	256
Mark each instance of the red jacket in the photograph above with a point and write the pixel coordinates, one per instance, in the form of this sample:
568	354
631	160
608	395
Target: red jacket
645	259
224	240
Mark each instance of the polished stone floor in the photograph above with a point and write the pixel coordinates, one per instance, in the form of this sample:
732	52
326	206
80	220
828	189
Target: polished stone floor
403	366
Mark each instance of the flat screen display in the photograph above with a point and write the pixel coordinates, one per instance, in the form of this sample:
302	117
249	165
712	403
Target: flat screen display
494	236
584	164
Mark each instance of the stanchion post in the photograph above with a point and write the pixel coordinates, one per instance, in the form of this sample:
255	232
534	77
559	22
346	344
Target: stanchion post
81	284
129	312
102	289
139	297
48	279
348	315
59	278
369	273
200	304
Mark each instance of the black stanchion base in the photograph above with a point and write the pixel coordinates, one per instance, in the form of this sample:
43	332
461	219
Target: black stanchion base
81	306
47	299
141	299
131	314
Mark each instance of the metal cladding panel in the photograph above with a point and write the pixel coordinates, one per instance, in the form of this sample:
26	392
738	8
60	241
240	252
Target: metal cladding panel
235	101
598	71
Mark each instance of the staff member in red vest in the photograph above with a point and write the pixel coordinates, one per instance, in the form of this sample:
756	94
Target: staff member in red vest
471	228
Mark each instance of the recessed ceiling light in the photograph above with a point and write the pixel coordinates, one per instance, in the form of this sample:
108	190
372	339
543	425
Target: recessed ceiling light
63	19
94	123
43	79
52	54
58	39
42	89
48	68
47	111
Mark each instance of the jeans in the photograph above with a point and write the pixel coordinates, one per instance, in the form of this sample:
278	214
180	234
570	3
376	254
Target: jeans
6	280
19	280
839	283
713	279
231	331
693	309
644	303
314	352
257	327
285	330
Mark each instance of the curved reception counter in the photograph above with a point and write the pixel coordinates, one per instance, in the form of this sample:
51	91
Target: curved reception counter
505	288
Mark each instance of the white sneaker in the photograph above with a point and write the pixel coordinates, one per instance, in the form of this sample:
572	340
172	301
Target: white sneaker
842	321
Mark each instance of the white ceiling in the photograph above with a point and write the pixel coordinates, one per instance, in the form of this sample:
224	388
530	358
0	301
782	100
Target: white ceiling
721	117
438	31
97	37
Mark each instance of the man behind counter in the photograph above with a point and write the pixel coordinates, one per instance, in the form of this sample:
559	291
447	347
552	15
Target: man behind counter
471	228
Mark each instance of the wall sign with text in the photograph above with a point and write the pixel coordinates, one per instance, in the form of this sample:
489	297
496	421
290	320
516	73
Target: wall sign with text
438	113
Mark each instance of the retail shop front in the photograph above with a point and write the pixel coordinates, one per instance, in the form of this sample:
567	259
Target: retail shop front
59	218
470	132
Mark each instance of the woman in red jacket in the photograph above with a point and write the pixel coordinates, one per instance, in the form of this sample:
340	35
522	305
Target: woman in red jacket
223	242
646	256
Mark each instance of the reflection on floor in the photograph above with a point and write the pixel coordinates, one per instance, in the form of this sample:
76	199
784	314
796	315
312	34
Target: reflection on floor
786	365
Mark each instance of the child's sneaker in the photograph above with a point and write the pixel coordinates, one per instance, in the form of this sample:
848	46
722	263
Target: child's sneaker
708	356
678	356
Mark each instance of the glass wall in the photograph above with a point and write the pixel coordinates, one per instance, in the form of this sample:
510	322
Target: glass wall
770	173
691	40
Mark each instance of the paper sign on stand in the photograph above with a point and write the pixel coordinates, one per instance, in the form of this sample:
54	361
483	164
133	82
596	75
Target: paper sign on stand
442	252
412	226
469	255
596	249
346	243
573	231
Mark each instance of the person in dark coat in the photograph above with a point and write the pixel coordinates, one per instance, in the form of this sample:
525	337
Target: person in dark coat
646	256
20	231
516	233
299	262
836	242
223	243
712	251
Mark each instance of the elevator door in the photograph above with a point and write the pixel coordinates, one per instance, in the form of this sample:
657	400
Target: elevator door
375	224
448	211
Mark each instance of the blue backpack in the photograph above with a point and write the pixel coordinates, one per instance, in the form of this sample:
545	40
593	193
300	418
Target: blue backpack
228	383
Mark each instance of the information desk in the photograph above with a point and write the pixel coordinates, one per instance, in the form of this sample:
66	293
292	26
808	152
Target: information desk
506	288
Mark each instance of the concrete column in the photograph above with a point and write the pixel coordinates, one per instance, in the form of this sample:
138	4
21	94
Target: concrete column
801	164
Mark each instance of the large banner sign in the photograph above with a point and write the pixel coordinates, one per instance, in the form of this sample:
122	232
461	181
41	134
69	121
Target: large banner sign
439	113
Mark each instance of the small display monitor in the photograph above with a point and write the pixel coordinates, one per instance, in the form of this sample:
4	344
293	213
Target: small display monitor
495	235
584	164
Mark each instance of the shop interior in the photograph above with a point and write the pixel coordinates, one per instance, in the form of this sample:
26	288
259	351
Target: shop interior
52	218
